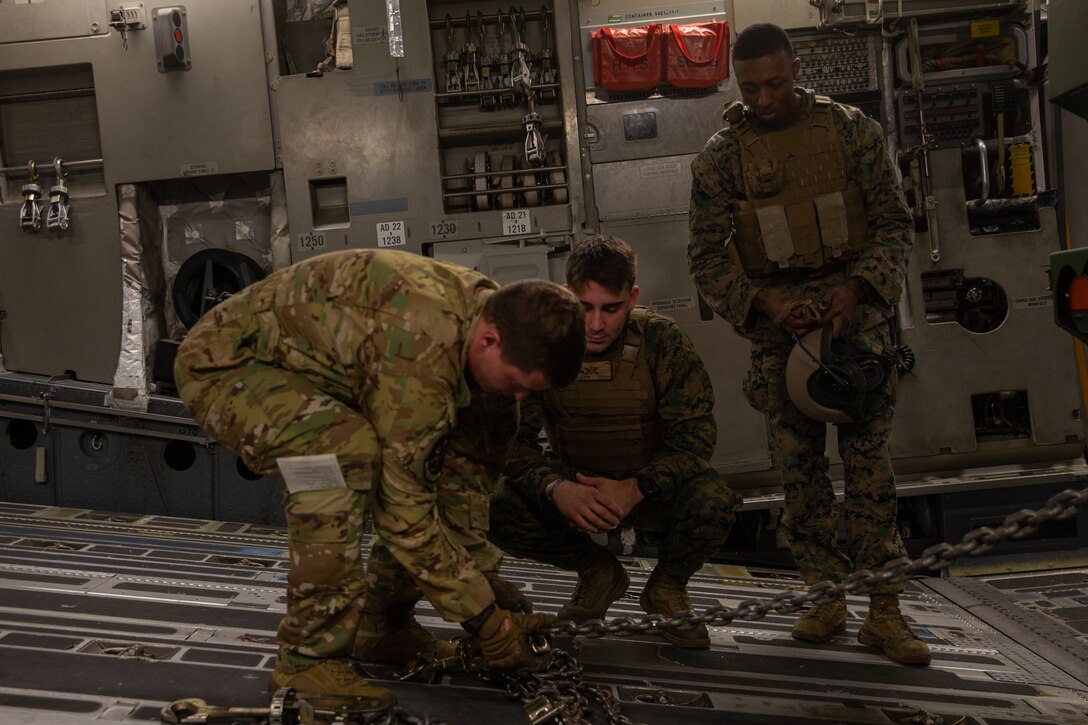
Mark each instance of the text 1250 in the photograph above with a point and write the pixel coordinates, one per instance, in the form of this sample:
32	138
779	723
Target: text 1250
311	241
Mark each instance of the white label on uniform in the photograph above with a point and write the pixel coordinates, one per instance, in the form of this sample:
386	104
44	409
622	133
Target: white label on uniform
311	241
516	221
311	473
201	169
391	234
368	34
1024	303
648	171
444	228
672	303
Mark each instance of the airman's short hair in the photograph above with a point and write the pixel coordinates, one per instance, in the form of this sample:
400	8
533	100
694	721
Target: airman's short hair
541	327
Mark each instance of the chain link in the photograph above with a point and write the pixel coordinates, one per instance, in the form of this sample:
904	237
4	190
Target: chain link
557	694
1017	525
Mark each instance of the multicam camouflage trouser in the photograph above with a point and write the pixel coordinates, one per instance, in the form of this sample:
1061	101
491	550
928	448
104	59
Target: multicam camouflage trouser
478	448
697	520
811	516
462	497
263	413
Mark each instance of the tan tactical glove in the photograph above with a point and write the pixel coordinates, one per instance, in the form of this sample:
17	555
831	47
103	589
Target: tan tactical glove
504	637
507	595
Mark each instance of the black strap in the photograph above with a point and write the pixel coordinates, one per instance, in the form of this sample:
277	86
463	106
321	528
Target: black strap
472	626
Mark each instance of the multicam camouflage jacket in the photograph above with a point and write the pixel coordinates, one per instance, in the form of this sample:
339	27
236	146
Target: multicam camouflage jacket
718	183
386	333
685	406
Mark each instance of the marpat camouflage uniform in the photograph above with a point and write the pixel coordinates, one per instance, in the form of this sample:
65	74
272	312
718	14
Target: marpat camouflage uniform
695	506
798	442
361	354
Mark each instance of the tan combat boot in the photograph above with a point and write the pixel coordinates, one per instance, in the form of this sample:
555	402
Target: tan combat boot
395	637
601	581
666	596
821	622
331	678
886	630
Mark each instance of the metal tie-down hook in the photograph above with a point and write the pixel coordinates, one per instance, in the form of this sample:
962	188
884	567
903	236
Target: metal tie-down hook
488	71
469	55
522	81
30	213
544	68
57	219
520	74
453	61
504	80
534	140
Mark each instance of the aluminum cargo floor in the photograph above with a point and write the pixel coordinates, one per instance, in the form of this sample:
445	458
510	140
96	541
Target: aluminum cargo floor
108	617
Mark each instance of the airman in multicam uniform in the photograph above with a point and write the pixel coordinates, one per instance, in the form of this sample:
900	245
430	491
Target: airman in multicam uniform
798	221
631	441
401	374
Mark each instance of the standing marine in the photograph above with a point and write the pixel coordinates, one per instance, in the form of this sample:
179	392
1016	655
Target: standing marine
630	445
798	222
386	383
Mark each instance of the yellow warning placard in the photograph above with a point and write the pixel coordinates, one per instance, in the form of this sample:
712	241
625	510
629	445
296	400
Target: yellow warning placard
985	28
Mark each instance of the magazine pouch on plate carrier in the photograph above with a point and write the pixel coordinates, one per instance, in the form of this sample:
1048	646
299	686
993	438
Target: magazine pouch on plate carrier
802	212
604	422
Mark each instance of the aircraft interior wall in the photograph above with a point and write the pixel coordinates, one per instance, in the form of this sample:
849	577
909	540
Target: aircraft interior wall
481	133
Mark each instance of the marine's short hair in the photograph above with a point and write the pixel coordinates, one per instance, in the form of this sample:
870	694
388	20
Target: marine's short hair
762	39
541	327
609	261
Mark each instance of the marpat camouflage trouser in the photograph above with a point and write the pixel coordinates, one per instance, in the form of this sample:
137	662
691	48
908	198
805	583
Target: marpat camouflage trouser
243	409
697	520
811	514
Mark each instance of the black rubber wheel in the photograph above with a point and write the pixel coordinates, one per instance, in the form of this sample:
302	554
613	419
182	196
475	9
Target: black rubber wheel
209	277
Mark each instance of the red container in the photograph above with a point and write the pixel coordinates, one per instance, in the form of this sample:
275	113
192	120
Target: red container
697	56
628	59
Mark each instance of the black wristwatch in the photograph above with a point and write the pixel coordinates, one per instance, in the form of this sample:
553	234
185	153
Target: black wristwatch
647	486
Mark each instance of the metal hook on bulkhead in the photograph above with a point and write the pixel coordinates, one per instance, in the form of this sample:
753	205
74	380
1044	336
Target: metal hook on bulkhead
30	213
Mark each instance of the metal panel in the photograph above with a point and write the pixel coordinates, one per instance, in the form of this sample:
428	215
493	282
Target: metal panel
376	144
1074	182
157	125
644	188
21	22
24	447
788	14
382	146
216	114
212	119
376	132
1068	73
683	126
1027	352
131	473
833	12
62	294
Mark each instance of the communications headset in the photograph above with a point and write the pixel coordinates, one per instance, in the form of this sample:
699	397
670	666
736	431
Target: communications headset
828	379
